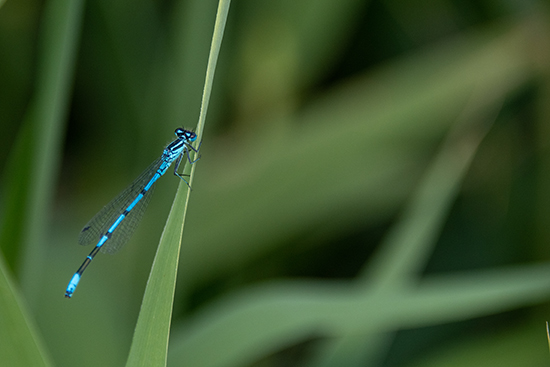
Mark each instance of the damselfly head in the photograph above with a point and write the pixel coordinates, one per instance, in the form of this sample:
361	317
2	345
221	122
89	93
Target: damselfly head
185	134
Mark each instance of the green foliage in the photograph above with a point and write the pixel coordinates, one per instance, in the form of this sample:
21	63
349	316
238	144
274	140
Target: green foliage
20	342
372	187
150	342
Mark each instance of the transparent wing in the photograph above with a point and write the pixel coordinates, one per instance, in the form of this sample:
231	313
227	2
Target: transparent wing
102	221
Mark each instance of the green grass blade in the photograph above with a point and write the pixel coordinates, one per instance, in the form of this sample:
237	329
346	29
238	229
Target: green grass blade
411	241
272	317
150	342
36	156
30	182
221	18
19	343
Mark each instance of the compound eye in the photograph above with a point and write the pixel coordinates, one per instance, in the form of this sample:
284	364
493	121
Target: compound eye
179	132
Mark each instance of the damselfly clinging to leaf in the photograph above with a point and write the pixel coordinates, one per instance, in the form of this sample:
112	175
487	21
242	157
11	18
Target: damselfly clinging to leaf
113	226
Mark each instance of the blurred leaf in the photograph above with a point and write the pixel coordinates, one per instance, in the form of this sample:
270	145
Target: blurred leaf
519	345
350	159
20	344
409	244
267	319
35	160
245	326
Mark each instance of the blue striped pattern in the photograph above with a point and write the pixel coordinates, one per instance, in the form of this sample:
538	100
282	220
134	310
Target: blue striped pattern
113	226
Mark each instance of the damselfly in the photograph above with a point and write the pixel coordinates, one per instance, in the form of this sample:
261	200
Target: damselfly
113	226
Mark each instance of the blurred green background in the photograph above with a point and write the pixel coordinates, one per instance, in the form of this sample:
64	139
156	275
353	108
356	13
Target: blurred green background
373	189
